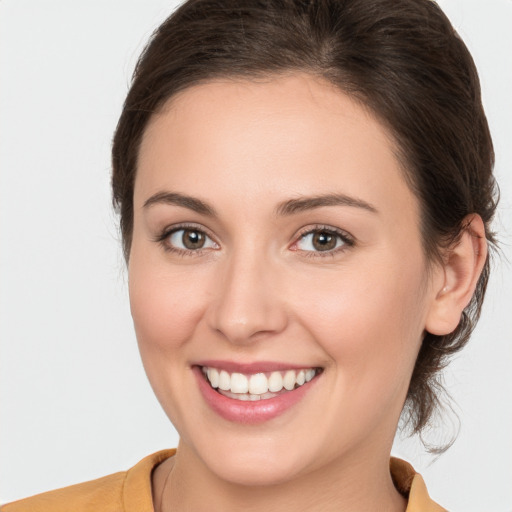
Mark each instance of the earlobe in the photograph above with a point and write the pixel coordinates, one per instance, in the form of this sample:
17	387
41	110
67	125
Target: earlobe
459	276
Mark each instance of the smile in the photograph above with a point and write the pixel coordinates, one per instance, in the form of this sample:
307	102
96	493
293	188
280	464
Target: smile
257	386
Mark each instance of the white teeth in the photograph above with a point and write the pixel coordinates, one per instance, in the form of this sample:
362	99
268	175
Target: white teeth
224	381
289	380
239	383
213	377
258	384
275	382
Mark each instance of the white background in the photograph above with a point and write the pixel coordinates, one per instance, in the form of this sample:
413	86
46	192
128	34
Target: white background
75	403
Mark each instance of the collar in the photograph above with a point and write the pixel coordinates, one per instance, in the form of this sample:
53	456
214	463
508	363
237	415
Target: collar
412	486
137	495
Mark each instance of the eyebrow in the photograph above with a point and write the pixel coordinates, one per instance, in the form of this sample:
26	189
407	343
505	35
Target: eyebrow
301	204
289	207
174	198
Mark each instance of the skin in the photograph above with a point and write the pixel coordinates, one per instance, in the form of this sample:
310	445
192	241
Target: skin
259	291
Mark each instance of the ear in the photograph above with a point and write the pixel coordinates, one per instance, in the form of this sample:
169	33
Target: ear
457	278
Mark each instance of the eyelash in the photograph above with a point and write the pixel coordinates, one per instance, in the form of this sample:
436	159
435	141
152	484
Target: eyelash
348	240
166	233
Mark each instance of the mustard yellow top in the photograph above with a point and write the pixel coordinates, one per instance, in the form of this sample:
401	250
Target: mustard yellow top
130	491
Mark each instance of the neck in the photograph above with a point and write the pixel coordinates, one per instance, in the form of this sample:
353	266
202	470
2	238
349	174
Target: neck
361	483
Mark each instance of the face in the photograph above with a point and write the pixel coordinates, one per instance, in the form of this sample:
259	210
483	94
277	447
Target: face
276	247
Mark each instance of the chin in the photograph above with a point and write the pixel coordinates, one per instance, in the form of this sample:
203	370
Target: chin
250	461
253	471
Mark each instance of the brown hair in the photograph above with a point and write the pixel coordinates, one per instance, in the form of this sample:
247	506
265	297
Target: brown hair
400	58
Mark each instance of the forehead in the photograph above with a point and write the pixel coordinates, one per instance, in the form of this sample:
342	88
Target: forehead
282	136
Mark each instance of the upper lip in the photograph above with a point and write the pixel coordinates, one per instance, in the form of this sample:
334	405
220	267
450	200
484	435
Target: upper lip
254	367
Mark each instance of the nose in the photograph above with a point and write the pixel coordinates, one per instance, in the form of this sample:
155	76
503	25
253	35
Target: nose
249	304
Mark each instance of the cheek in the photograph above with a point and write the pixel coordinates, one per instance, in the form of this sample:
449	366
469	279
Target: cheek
166	306
369	322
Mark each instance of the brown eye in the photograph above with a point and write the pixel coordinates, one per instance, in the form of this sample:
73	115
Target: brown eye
190	239
323	240
193	239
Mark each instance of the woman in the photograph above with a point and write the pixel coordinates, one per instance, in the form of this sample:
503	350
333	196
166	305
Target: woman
305	195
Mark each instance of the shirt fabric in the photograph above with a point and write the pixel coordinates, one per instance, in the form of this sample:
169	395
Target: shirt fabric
130	491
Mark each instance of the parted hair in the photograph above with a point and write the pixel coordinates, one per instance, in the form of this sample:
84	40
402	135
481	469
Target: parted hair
401	59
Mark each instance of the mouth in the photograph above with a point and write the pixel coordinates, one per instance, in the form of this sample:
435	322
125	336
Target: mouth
257	386
254	393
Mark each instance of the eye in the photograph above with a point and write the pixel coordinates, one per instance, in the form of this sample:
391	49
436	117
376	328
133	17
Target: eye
188	239
322	240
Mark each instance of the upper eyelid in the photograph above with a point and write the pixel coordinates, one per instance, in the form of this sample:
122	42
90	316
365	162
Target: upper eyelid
163	239
186	225
345	235
348	241
321	227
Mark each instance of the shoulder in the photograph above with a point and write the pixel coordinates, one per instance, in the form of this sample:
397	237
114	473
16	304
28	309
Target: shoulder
123	491
82	497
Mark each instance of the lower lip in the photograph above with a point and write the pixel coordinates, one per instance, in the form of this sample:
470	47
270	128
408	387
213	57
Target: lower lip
248	412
